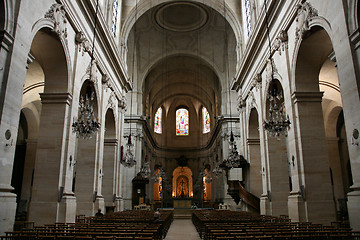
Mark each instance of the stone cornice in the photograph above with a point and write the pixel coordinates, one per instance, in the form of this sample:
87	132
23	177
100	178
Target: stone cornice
307	96
56	98
110	142
253	141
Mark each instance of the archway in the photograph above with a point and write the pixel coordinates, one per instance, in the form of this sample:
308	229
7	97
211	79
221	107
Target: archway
313	52
47	75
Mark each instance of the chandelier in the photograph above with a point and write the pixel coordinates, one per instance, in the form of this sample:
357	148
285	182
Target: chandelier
217	171
128	159
145	170
234	158
87	124
277	123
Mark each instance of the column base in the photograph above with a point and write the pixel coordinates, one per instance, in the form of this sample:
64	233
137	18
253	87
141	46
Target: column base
296	207
7	209
119	204
354	209
265	205
100	204
67	208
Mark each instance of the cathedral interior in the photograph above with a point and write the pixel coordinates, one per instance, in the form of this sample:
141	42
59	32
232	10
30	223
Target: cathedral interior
120	105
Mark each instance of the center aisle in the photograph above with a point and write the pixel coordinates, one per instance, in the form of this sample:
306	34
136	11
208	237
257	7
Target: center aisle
182	229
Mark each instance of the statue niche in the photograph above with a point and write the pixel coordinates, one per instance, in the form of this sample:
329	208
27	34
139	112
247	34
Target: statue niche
182	186
182	183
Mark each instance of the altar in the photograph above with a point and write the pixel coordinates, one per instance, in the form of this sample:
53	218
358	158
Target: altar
184	203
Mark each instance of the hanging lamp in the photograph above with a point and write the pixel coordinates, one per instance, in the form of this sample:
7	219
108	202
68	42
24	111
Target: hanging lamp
278	122
86	124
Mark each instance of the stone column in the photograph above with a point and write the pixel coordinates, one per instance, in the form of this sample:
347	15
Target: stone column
12	80
313	158
50	157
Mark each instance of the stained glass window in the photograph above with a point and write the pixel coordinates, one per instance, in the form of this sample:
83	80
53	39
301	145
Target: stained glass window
206	120
182	122
157	121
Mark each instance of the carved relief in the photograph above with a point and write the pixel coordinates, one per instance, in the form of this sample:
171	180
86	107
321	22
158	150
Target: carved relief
281	42
84	44
251	100
112	102
241	104
106	82
256	82
305	14
270	69
91	71
122	104
57	14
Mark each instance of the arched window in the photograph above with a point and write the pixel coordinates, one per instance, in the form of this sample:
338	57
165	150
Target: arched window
206	120
157	121
182	122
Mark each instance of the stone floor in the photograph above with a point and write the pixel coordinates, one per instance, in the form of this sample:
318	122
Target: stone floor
182	229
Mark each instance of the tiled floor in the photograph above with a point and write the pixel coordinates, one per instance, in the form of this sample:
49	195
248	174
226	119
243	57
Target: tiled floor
182	229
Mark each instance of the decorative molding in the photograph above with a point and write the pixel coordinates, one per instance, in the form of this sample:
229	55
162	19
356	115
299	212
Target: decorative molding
111	142
83	42
305	13
57	15
253	141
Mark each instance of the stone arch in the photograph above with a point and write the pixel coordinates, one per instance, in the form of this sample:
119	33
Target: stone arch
50	52
311	51
144	6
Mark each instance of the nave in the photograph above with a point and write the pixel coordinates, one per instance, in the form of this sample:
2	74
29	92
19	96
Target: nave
204	224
